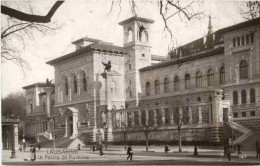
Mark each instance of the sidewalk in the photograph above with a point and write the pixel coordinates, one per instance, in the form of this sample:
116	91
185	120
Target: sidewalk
117	154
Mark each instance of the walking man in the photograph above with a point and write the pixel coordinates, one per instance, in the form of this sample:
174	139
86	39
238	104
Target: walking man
130	152
195	151
101	149
229	152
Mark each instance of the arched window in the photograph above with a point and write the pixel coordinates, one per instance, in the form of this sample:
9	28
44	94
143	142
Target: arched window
235	98
157	87
176	83
129	35
84	82
198	80
222	75
147	89
66	86
75	84
210	77
166	85
143	35
252	95
187	81
243	69
243	96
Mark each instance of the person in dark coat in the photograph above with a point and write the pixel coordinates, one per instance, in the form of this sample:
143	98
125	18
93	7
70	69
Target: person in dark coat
78	146
225	150
166	149
229	152
195	151
94	147
101	149
258	153
130	152
33	153
39	146
238	149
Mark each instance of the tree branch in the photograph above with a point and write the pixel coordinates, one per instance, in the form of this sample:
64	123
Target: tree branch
28	17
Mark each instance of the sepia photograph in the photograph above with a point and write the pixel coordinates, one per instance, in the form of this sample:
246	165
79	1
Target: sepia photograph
130	82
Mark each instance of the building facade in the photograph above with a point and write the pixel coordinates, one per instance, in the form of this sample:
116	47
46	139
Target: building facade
209	82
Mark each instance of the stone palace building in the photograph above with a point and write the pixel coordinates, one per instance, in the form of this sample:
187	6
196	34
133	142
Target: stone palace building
209	82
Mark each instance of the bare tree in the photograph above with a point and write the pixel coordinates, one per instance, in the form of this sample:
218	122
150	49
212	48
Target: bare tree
249	9
19	28
179	120
147	129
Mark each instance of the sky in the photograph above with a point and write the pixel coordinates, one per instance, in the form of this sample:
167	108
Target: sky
91	18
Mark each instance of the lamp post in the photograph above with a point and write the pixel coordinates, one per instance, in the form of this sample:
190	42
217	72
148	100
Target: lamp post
123	129
12	137
53	134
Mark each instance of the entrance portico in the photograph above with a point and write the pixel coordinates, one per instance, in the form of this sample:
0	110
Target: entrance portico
71	120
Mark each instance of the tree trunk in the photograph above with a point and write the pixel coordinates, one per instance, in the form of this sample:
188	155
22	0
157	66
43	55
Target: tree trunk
180	146
146	137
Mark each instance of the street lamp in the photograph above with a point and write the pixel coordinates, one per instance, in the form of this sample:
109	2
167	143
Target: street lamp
12	117
123	129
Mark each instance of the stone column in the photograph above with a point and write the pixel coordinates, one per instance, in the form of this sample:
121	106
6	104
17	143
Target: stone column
139	118
49	90
171	115
132	119
163	116
154	117
190	115
200	114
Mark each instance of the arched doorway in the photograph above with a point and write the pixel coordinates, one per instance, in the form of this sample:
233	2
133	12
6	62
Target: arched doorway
71	121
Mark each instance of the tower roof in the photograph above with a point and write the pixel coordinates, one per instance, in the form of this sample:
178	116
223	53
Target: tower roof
210	31
137	19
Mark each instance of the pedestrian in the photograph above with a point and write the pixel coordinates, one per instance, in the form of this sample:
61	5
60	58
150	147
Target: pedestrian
24	147
229	152
39	146
257	147
166	149
195	151
258	153
130	152
225	150
101	149
238	149
33	153
94	147
78	146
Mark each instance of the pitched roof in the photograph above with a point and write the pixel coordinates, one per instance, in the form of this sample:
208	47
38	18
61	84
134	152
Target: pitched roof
101	46
39	84
137	19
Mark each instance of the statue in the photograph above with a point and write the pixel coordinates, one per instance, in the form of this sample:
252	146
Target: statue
48	82
107	66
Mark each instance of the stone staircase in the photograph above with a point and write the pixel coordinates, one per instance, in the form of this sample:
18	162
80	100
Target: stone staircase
62	143
246	132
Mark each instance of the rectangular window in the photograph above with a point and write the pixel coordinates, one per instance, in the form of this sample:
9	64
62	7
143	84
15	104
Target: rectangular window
238	41
247	38
242	40
252	37
243	114
234	42
235	115
252	113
